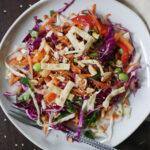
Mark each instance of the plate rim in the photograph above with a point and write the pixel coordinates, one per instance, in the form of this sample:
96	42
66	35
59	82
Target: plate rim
11	28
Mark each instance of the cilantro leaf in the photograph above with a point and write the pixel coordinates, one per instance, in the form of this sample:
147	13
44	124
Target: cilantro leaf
89	134
92	119
63	114
25	81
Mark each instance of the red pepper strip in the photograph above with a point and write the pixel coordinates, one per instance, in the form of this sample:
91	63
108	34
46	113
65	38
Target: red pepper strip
104	29
125	55
84	19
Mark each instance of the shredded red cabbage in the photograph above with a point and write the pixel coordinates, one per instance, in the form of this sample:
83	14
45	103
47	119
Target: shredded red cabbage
37	21
9	93
36	28
108	46
54	109
79	128
33	44
65	7
29	108
38	96
54	38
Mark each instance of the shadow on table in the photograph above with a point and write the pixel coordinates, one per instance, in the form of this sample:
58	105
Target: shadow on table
139	140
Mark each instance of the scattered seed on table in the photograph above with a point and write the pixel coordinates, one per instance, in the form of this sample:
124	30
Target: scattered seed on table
21	6
5	136
16	145
30	5
22	144
4	11
5	119
34	149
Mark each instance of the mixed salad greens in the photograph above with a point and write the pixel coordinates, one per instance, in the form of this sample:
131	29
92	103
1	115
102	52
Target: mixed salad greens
75	73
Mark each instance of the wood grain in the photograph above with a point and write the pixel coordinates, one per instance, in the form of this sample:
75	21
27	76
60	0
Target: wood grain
10	137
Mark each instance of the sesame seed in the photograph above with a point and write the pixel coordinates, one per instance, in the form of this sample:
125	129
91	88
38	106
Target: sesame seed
4	11
22	144
5	136
16	145
21	6
5	119
34	149
30	5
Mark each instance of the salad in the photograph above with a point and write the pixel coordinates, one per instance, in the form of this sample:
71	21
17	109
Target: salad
74	73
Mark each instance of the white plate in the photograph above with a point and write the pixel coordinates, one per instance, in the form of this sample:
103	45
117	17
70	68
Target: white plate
139	103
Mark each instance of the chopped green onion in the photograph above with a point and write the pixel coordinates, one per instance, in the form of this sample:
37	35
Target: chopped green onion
62	115
123	77
93	55
24	97
118	70
75	60
51	12
37	67
93	31
89	134
33	33
120	51
53	25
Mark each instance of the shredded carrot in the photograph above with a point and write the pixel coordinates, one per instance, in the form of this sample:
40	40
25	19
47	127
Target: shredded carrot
30	65
56	81
38	56
19	89
107	118
54	30
105	127
115	116
110	69
76	119
45	128
96	21
94	8
117	56
64	40
47	79
126	42
100	106
48	22
106	17
11	61
14	61
126	101
100	83
71	122
82	85
132	65
85	75
35	78
75	68
69	56
105	89
67	29
78	92
92	127
13	79
118	35
73	14
50	97
119	84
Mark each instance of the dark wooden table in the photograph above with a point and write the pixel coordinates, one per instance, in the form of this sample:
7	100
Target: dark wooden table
10	137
